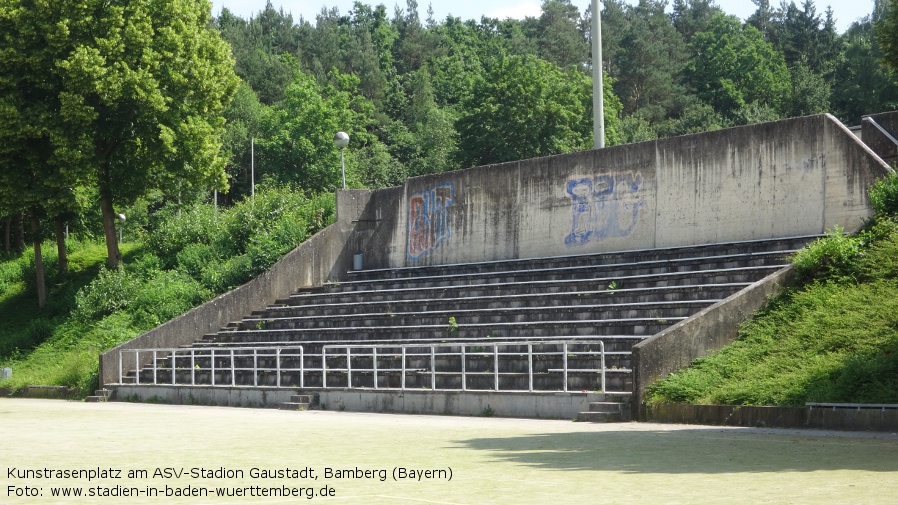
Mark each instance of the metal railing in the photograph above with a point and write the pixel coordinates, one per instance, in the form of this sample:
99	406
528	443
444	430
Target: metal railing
230	355
470	366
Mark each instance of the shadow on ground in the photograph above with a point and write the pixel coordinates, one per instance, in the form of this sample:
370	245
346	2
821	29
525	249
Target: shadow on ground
693	451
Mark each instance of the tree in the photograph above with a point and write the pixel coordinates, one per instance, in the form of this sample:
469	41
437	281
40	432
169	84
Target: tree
525	107
297	145
887	34
862	84
135	93
738	73
652	55
560	39
693	16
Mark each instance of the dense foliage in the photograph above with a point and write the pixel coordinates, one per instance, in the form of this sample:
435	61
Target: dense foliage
179	259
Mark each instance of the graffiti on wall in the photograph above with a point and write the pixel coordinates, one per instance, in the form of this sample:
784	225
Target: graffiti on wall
428	223
603	206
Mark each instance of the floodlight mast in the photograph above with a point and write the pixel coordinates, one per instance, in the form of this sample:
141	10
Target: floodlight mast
598	91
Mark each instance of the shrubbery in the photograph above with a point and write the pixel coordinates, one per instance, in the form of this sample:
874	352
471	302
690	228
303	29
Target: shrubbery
187	257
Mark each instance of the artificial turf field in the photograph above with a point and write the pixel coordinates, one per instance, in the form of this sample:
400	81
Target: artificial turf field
193	453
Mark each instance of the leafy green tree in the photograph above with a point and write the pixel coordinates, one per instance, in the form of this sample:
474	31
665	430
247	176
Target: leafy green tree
887	34
244	123
738	73
559	34
136	92
297	144
651	58
525	107
862	84
693	16
810	92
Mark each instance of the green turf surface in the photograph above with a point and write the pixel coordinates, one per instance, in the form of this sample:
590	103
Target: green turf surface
492	460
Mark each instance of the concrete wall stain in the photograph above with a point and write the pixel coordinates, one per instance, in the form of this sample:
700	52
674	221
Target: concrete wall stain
428	219
603	206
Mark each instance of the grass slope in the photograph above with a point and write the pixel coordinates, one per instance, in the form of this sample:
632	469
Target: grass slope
183	259
834	338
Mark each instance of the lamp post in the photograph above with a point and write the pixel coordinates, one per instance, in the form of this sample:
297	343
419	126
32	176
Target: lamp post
121	217
341	140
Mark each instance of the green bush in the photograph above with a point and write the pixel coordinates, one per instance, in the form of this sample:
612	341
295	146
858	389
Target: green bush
165	296
832	257
110	291
884	195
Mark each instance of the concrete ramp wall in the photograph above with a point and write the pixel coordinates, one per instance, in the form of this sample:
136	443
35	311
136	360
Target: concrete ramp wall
787	178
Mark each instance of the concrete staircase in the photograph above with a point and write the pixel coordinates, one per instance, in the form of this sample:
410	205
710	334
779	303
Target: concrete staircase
617	299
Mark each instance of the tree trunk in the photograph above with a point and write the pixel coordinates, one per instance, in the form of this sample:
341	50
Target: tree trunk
38	261
7	235
114	256
60	245
18	222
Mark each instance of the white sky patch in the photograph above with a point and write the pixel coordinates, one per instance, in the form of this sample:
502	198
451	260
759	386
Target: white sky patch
520	11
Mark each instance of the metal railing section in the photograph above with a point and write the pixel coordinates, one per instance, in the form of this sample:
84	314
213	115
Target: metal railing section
178	357
467	362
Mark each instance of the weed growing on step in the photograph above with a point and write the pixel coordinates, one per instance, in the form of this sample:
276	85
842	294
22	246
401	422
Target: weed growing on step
453	326
487	412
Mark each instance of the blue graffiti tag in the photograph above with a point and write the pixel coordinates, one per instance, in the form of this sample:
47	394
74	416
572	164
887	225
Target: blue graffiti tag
428	219
603	206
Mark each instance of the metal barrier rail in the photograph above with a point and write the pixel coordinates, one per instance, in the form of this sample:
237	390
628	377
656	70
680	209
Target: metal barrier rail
430	352
211	353
463	354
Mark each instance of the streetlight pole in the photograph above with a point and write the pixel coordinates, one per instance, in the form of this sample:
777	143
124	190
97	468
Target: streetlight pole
341	140
598	90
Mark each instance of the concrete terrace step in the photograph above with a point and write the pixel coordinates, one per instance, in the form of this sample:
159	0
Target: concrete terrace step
633	270
634	326
604	412
301	402
567	272
683	293
771	246
718	276
664	310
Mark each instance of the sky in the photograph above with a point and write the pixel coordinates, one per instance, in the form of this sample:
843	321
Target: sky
846	11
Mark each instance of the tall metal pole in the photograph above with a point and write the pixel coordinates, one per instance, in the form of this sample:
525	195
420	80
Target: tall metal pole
252	166
342	168
598	90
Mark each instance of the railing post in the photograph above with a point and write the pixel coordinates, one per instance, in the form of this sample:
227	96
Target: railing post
302	368
433	368
403	368
464	385
496	365
233	372
121	358
602	347
349	367
530	365
374	361
212	364
324	367
193	367
255	368
564	351
174	366
277	366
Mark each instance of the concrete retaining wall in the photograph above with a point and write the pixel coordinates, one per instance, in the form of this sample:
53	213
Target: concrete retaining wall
787	178
712	328
467	403
854	419
325	256
878	141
